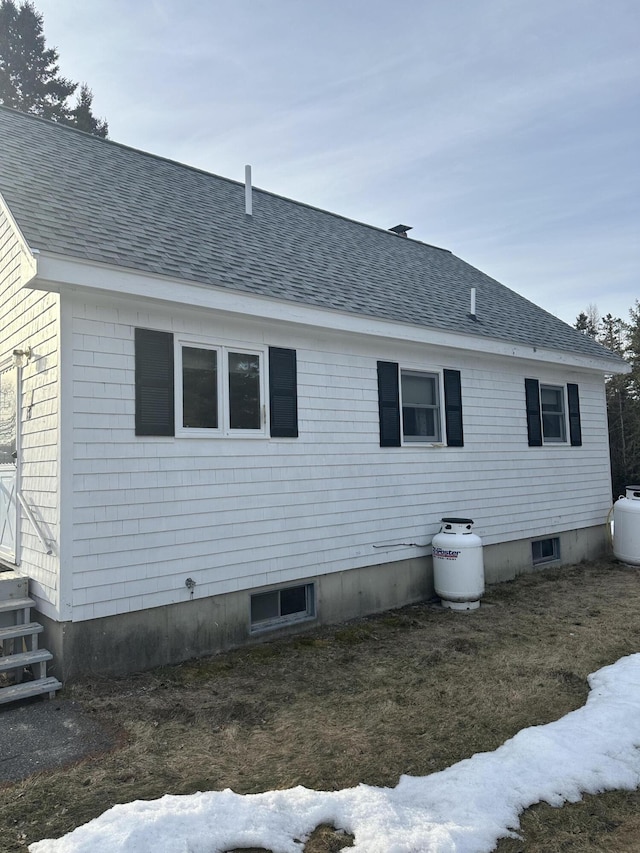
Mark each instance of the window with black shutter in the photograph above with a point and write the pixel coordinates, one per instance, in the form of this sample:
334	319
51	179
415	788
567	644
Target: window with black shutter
283	393
154	382
575	426
217	390
453	408
411	408
389	404
549	408
534	419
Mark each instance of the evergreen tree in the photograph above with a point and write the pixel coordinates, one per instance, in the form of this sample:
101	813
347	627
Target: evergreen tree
613	334
622	394
633	348
582	322
589	322
30	79
632	436
82	116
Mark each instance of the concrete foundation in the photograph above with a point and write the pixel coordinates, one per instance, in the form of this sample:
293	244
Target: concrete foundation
135	641
507	560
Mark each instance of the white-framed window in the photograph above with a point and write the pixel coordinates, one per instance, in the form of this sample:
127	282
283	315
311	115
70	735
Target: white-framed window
553	410
553	413
420	397
279	607
220	390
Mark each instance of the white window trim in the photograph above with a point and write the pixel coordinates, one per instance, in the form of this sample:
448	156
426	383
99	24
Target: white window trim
565	413
439	375
222	348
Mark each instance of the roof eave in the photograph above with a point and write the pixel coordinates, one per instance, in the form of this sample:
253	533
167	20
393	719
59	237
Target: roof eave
59	273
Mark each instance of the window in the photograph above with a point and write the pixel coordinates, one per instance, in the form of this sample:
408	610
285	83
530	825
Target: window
420	406
549	409
414	406
199	388
282	606
545	550
221	390
553	414
245	392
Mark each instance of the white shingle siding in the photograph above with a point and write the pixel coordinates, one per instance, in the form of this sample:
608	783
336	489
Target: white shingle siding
235	514
30	318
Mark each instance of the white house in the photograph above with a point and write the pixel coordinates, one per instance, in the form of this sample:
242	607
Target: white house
225	413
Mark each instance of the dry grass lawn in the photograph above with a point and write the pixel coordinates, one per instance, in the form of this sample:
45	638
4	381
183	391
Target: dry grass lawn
410	691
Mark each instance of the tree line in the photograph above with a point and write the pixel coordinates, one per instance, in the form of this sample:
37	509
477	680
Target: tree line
30	79
622	391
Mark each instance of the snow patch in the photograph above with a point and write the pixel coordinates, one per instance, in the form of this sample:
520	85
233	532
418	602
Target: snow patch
463	809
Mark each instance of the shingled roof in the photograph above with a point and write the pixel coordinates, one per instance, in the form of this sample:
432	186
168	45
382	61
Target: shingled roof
80	196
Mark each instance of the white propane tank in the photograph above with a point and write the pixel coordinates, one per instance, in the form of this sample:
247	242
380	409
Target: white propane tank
626	527
458	568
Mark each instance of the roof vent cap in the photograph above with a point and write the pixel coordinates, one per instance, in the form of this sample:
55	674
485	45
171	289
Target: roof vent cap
400	230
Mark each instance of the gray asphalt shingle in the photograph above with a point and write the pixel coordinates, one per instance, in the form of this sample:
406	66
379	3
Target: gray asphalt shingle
85	197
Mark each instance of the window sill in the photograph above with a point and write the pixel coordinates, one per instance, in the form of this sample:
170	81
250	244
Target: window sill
432	444
281	622
216	435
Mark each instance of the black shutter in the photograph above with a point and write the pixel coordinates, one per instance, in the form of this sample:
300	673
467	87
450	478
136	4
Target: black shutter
534	419
154	383
283	393
575	429
389	404
453	408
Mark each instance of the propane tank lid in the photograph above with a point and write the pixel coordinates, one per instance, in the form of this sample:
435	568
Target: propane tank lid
456	526
633	492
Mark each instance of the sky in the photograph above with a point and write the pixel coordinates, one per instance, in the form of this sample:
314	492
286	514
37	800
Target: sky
504	130
465	808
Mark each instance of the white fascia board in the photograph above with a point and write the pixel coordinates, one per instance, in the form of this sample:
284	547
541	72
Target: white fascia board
62	274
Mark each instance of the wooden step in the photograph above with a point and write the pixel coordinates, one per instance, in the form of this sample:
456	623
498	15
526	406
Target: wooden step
16	604
23	659
22	630
13	585
29	688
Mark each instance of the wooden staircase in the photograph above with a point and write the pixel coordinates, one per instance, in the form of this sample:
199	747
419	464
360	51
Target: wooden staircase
19	644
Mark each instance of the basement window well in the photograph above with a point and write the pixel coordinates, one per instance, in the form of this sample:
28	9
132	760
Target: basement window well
282	606
545	550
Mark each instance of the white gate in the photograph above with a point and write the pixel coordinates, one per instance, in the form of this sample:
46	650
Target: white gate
8	461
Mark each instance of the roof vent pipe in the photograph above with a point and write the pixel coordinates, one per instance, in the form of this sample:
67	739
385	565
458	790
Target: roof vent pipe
248	203
472	309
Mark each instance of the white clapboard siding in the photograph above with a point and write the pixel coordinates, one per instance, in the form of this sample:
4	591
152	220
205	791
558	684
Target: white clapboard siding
235	514
30	318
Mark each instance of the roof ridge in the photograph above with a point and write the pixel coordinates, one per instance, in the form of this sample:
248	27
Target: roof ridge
200	171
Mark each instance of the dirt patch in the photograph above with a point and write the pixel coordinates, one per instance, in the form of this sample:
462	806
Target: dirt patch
323	839
411	691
